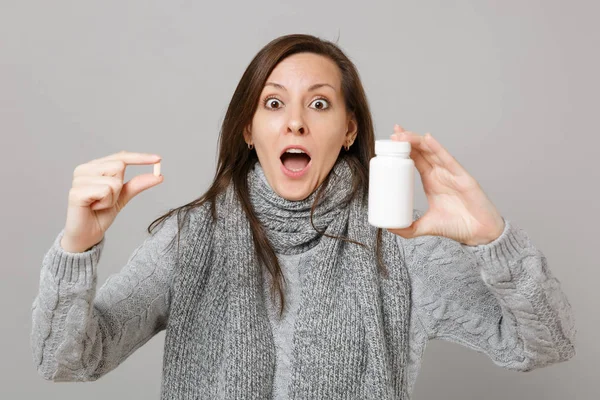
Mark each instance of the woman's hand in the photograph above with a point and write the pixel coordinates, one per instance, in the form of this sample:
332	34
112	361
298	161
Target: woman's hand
458	207
98	194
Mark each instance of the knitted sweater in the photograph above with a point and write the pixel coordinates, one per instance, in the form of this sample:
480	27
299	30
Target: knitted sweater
500	299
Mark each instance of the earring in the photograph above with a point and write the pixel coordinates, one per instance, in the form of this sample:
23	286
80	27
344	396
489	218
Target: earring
250	146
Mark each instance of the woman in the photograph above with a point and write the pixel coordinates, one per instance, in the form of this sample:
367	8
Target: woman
279	287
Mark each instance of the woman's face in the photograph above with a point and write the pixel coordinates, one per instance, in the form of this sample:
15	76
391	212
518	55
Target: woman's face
292	111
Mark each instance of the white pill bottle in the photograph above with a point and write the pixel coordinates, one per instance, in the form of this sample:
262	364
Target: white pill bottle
391	185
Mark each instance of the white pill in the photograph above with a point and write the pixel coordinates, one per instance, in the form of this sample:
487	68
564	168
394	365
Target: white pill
157	169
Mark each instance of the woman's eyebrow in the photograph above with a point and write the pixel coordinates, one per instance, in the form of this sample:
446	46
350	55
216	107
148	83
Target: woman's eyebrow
313	87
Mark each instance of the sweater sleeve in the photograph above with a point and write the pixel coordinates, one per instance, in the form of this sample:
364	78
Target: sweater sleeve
80	335
499	298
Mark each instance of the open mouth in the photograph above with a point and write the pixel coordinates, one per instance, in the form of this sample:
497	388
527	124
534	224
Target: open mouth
295	161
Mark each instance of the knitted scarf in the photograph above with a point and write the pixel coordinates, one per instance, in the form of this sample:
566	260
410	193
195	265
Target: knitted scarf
351	332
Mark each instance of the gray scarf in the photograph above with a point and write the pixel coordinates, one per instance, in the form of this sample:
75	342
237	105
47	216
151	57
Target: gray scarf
351	333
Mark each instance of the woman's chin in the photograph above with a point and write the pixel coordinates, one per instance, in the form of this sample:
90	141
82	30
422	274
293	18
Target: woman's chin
295	195
293	190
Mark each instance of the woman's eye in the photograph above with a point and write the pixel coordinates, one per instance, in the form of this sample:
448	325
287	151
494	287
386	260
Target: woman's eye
319	104
270	101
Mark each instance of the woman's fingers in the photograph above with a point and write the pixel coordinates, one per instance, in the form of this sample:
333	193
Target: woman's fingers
98	195
432	150
115	168
417	143
130	158
427	151
112	182
422	163
115	164
136	185
109	172
446	159
83	196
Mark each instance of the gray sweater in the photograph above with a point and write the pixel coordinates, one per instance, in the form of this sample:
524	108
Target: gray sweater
500	299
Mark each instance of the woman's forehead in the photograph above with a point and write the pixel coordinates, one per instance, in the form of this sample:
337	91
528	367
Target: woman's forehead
304	71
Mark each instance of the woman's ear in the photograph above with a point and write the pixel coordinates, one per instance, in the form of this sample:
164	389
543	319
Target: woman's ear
352	129
247	135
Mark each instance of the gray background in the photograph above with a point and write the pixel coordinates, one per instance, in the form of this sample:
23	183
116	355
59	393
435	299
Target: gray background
510	88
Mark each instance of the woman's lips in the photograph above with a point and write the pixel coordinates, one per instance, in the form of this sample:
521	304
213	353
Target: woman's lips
295	146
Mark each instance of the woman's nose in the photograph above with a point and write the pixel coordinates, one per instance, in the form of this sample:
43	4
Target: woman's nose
296	120
296	125
297	128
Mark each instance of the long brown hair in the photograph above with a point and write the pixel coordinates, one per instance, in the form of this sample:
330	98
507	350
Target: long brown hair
235	160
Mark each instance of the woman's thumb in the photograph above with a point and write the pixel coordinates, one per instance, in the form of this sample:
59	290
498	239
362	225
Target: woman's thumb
412	231
136	185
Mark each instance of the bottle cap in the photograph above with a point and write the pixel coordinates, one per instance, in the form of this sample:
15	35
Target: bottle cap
392	147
